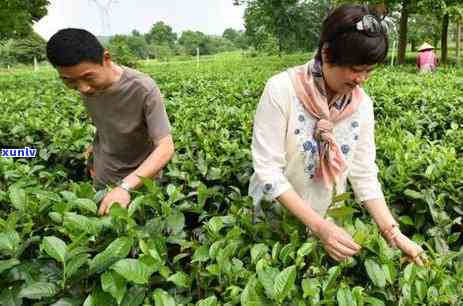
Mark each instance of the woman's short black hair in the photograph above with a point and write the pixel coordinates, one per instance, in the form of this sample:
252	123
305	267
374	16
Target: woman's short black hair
69	47
344	45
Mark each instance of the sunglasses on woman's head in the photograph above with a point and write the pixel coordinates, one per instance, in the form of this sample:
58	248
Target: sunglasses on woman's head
372	25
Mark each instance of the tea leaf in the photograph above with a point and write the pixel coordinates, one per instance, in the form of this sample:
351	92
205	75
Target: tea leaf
55	248
375	273
133	270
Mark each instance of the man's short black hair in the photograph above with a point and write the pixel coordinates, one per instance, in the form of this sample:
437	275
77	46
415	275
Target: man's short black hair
347	46
70	47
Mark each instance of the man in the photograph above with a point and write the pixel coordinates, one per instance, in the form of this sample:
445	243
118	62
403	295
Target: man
133	137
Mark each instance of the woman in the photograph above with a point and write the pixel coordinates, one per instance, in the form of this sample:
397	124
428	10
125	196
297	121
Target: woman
426	60
314	129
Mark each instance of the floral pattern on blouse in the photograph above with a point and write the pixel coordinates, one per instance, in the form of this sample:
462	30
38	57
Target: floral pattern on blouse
346	136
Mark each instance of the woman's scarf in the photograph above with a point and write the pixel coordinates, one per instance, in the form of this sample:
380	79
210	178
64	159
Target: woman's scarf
309	85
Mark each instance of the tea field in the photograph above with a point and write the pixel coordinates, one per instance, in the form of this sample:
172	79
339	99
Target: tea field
191	239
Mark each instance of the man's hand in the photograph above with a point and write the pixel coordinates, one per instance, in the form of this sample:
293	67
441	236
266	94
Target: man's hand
89	167
336	241
118	195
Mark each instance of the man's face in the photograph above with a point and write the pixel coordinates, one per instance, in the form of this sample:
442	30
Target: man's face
87	77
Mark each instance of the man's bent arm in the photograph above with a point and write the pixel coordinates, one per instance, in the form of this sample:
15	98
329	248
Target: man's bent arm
154	163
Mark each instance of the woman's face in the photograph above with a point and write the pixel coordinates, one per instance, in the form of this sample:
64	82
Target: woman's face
342	80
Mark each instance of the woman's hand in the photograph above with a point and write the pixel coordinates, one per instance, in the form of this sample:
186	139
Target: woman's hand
413	251
391	232
336	241
397	239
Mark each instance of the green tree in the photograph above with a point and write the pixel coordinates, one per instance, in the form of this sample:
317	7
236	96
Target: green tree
294	24
238	38
7	52
446	11
403	7
22	50
161	33
136	33
30	47
241	41
17	16
424	28
230	34
161	52
262	40
135	43
403	29
217	44
191	40
458	35
121	52
138	45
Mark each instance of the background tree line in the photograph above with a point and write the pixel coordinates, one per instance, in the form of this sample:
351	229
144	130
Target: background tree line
271	27
290	25
18	41
162	43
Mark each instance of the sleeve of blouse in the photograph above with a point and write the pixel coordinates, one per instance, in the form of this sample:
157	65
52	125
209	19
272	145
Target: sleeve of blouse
268	143
363	173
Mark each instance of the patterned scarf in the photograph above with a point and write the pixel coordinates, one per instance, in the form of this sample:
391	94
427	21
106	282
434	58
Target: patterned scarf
309	85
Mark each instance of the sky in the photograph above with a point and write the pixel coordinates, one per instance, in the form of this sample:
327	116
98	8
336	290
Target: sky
207	16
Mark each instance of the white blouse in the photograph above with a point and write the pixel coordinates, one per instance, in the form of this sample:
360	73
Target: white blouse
285	154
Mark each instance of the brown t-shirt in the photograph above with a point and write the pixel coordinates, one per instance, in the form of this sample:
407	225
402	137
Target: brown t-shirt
130	118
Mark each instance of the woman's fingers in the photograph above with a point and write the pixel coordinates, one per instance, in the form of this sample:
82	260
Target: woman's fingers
414	252
343	250
102	209
420	257
339	249
335	254
424	258
348	242
418	261
340	244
